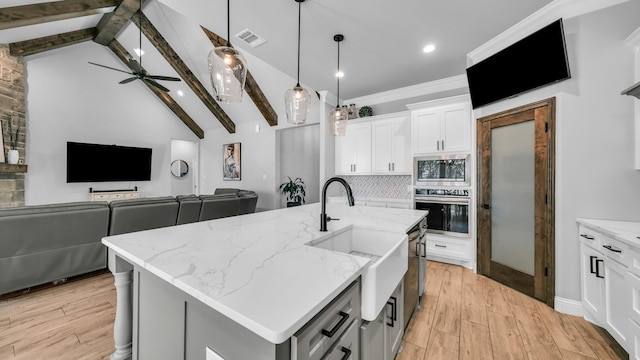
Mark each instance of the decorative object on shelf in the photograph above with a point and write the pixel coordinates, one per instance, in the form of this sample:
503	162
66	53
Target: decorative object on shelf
352	112
179	168
294	190
296	99
338	116
231	162
228	70
365	111
138	71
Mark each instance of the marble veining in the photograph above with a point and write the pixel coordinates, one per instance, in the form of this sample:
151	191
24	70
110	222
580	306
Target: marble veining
256	269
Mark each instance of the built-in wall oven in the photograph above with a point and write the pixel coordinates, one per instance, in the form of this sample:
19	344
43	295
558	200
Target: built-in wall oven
442	170
448	210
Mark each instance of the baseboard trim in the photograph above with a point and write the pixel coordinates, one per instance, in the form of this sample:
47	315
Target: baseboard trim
568	306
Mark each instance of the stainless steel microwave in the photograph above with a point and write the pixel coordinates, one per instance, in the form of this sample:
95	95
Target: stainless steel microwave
442	170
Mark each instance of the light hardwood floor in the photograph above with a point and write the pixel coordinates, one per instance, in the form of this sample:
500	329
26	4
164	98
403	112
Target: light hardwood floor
463	316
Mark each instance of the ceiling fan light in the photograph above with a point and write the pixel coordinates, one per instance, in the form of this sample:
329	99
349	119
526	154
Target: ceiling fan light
228	71
338	118
296	101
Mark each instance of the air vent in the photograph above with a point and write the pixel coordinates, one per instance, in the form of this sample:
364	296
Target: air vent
250	38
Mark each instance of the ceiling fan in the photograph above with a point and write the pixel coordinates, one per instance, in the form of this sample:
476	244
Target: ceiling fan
138	71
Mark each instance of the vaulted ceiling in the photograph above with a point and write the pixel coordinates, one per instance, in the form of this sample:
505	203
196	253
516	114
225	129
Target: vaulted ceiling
382	48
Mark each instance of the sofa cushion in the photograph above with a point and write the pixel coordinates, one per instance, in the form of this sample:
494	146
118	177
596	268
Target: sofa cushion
142	214
219	206
188	209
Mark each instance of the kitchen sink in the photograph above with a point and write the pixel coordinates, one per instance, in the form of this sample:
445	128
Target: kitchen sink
388	253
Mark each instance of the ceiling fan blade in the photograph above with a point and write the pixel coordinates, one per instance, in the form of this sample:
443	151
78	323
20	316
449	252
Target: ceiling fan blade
128	80
108	67
153	83
166	78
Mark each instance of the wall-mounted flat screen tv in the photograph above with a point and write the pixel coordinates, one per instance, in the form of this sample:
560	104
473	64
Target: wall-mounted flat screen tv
537	60
100	163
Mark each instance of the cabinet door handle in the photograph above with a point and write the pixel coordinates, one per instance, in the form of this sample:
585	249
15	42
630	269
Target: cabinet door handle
586	236
598	261
591	264
347	353
344	317
443	145
612	248
394	316
438	144
393	166
441	246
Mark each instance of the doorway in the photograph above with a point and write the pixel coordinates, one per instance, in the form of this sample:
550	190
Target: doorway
187	181
299	157
516	172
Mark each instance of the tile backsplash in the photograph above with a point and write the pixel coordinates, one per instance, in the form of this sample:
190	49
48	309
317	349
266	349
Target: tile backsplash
380	186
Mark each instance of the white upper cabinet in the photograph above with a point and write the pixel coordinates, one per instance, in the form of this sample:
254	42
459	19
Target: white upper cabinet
353	151
378	145
391	146
441	126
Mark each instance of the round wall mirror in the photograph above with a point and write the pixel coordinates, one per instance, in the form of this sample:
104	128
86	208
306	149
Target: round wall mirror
179	168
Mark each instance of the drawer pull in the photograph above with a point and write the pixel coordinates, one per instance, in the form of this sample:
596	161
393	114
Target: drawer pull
586	236
591	264
612	248
330	333
393	301
441	246
598	261
346	351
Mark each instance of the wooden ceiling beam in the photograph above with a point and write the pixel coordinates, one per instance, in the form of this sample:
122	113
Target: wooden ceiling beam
35	46
183	70
111	23
251	86
17	16
124	56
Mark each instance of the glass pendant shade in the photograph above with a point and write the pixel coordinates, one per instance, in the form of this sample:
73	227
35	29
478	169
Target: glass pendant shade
338	118
228	70
296	102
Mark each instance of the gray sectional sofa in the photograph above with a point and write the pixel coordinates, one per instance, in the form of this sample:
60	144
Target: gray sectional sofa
44	243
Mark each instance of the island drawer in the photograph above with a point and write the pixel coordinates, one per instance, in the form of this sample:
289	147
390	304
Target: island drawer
348	345
320	334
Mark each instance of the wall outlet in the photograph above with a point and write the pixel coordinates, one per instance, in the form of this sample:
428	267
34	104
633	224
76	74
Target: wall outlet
212	355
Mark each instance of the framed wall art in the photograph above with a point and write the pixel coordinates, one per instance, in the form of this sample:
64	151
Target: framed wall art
231	161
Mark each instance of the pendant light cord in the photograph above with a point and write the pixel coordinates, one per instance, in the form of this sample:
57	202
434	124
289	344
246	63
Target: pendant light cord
338	76
140	35
228	23
299	20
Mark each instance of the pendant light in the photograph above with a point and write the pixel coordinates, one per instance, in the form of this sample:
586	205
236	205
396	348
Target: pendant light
296	99
228	71
338	116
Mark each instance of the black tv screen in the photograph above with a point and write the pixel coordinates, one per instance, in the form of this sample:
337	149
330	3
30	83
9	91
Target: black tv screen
537	60
99	163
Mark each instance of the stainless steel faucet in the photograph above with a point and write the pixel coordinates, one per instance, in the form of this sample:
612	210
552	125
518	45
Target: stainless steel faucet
323	216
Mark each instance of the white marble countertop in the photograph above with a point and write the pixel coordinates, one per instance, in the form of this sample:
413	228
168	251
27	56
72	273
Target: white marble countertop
256	269
625	231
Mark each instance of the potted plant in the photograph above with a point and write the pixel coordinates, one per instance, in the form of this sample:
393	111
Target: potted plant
294	190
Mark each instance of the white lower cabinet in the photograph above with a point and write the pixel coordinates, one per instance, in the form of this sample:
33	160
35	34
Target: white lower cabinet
592	263
381	339
610	289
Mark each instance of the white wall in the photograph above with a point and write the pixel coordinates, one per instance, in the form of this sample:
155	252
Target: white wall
186	151
594	133
70	100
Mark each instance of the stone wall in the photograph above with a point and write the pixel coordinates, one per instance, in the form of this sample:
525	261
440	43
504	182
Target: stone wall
12	115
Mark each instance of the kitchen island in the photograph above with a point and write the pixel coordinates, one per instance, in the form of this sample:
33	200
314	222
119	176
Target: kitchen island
249	282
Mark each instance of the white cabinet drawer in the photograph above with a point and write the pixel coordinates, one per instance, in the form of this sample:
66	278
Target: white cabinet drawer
320	334
615	250
590	238
452	248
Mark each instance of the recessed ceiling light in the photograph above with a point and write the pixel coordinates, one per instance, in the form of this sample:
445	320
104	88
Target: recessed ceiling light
339	74
180	93
138	52
429	48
